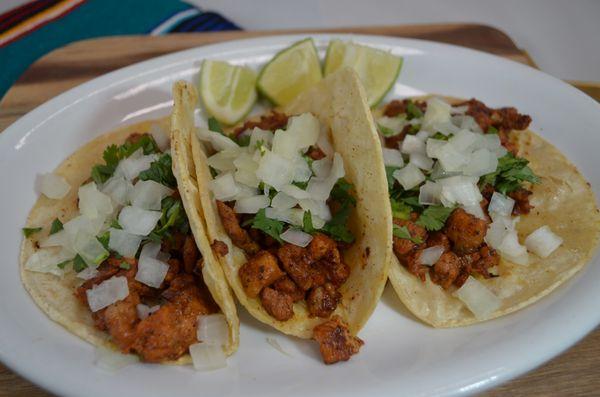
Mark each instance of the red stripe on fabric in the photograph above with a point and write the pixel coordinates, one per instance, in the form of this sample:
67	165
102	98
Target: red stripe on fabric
64	13
7	21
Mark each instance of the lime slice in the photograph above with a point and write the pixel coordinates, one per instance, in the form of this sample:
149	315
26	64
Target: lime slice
227	91
290	72
377	69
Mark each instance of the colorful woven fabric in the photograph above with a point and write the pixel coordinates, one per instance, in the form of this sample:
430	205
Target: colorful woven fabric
36	28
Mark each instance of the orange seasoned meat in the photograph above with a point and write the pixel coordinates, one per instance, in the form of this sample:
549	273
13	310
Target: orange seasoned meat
297	262
412	263
325	252
438	239
404	246
315	153
521	197
445	270
120	319
322	301
271	121
189	254
174	267
465	231
398	107
258	272
220	248
285	285
335	341
238	236
278	304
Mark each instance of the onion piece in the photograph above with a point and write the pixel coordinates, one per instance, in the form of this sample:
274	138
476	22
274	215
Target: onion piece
149	194
409	176
433	147
111	360
107	292
81	225
90	249
293	216
160	136
481	162
475	210
460	190
143	311
423	135
224	187
451	159
412	144
296	237
421	161
275	170
283	201
125	244
45	260
319	189
138	221
324	141
429	256
150	250
438	111
88	273
92	202
295	192
224	160
207	357
217	140
304	129
302	171
394	124
118	189
465	140
151	271
392	157
246	167
251	205
131	167
543	242
478	298
52	186
322	167
212	329
258	135
316	207
501	204
429	193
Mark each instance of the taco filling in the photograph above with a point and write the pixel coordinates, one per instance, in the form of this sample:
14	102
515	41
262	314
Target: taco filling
457	188
132	246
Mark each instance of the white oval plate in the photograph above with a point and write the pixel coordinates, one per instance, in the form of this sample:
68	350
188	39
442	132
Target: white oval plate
401	356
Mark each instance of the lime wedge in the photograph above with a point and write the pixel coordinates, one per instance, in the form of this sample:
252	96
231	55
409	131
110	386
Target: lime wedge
227	91
290	72
377	69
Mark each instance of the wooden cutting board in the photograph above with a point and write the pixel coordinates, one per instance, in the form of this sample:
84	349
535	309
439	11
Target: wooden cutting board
574	373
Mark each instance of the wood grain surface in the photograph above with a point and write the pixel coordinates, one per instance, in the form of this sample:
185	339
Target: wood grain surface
574	373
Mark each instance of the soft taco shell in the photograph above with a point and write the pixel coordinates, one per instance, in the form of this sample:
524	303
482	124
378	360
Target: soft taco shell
564	201
339	102
55	295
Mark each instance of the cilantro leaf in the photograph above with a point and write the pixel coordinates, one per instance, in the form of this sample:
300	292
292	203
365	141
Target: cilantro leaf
78	263
389	173
509	174
272	227
441	137
160	171
337	227
115	224
125	265
28	231
214	125
434	217
307	225
341	192
413	111
385	131
63	264
400	209
173	218
402	232
243	140
104	238
56	226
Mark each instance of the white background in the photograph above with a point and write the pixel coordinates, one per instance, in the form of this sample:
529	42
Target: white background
563	37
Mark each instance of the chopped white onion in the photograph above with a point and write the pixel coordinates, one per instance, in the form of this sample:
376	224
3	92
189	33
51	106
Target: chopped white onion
224	160
107	292
478	298
423	135
475	210
118	188
296	237
161	137
460	190
501	204
433	147
57	239
224	187
429	256
450	158
324	142
421	161
150	250
90	249
275	170
502	236
138	221
429	193
143	311
45	260
207	357
293	216
395	124
246	191
125	244
446	128
251	205
151	271
131	167
283	201
52	186
465	140
438	172
82	225
246	167
88	273
322	167
481	162
217	140
437	112
258	135
316	207
304	129
319	189
459	109
212	329
92	202
409	176
302	171
543	242
412	144
149	194
295	192
392	157
469	123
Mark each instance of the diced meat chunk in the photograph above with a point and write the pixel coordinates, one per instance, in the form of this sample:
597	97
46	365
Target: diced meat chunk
325	252
404	246
220	248
120	319
445	270
521	197
285	285
438	239
278	304
322	301
189	254
315	153
271	121
239	236
296	261
465	231
412	263
174	267
258	272
335	341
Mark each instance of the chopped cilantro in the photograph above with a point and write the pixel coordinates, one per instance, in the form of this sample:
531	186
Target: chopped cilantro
337	227
243	140
115	224
385	131
214	125
28	231
441	137
56	226
389	173
104	238
307	225
509	174
160	171
301	185
413	111
400	209
272	227
492	130
341	192
63	264
402	232
173	218
434	217
414	129
79	264
125	265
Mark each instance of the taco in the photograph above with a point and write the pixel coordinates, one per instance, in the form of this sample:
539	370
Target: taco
488	216
295	203
119	257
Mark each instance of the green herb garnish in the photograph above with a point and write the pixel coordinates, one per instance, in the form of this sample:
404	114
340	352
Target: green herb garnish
28	231
402	232
63	264
385	131
104	238
413	111
160	171
243	140
510	174
214	125
56	226
441	137
434	217
271	227
78	263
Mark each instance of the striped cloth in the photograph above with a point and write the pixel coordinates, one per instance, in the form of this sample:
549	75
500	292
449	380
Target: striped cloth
36	28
